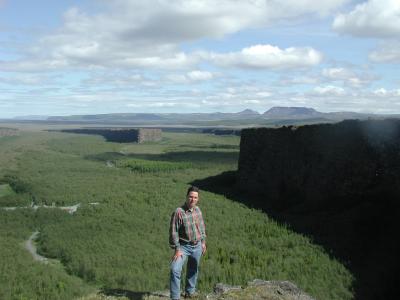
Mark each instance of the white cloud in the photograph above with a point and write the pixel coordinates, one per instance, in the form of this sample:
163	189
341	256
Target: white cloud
184	20
337	73
118	79
199	75
174	61
32	64
347	76
147	34
252	101
26	79
176	78
268	57
373	18
195	76
285	81
238	98
246	91
329	90
388	52
263	94
333	98
154	104
382	92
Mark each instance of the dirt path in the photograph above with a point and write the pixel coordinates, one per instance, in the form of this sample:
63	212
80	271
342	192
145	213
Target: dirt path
30	246
70	209
110	164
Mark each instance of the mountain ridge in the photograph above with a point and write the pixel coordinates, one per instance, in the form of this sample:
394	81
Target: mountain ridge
274	115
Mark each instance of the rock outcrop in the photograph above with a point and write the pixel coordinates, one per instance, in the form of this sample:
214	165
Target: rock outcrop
320	165
255	290
340	184
222	131
260	289
122	135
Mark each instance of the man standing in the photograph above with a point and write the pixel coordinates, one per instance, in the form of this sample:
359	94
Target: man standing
187	236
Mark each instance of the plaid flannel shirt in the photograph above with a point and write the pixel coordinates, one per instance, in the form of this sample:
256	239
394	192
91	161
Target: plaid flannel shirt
187	225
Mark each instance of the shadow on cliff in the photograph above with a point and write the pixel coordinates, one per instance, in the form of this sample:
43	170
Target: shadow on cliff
120	135
360	233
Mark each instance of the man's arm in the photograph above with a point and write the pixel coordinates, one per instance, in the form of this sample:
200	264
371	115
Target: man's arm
202	232
176	222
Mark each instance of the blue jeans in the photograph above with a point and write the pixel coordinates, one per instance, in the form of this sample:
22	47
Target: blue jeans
192	253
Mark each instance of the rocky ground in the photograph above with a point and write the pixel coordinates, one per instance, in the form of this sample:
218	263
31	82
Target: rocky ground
255	290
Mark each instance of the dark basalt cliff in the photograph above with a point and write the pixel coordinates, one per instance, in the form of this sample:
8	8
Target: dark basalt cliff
321	165
339	183
222	131
122	135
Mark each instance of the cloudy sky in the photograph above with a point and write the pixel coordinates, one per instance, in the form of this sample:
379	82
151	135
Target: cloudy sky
99	56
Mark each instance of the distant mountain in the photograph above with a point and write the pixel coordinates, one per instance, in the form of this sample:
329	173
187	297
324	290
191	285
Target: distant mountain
164	118
307	113
278	116
31	117
121	117
248	112
343	115
279	112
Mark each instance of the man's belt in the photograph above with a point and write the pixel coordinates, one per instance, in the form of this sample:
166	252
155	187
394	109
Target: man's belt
193	243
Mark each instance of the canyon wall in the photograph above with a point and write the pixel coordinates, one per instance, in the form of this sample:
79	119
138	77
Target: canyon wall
321	165
122	135
340	184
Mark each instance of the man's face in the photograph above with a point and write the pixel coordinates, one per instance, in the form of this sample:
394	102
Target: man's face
192	199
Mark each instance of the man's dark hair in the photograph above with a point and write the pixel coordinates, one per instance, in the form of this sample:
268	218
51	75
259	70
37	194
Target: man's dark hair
193	189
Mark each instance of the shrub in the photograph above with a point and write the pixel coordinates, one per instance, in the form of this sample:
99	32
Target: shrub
152	166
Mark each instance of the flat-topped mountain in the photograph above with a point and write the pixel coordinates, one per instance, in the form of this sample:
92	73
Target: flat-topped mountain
279	112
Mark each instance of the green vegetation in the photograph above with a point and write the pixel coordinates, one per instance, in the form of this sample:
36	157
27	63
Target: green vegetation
122	243
13	192
6	190
143	166
23	278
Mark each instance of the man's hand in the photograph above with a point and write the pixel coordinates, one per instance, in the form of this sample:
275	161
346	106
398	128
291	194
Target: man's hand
203	248
177	254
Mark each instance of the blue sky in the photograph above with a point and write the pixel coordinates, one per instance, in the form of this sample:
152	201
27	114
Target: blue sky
98	56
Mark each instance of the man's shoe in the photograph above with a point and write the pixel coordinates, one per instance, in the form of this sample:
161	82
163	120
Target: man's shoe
191	296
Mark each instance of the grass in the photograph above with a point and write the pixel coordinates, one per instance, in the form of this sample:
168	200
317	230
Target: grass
6	190
122	243
144	166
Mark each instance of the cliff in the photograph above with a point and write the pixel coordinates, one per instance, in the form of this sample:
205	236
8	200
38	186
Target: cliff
340	184
321	165
122	135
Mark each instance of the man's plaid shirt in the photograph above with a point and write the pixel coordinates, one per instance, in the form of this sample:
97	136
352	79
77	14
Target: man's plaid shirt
187	225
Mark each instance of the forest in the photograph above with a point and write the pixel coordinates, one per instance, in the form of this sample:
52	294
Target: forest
118	237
